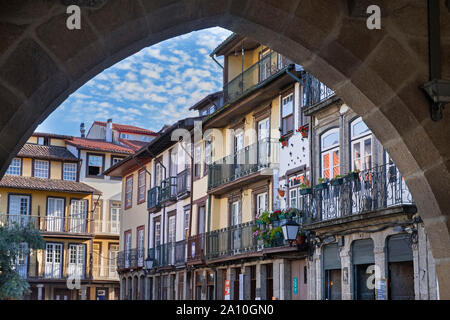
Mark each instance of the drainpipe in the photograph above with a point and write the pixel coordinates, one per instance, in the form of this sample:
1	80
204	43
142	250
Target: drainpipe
218	63
163	215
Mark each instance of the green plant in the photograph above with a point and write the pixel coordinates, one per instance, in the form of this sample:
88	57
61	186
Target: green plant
264	217
291	212
275	215
321	180
338	177
303	186
301	233
275	233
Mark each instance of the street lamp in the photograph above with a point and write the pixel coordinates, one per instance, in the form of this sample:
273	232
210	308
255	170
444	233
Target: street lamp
290	230
148	264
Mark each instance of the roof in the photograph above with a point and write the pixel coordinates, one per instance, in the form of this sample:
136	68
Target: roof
99	145
33	183
231	42
127	128
45	152
133	144
208	99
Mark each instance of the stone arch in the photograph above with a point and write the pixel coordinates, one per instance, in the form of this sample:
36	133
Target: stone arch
42	62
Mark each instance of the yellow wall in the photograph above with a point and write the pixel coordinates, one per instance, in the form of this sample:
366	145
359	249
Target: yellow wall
55	171
27	164
32	140
235	61
57	142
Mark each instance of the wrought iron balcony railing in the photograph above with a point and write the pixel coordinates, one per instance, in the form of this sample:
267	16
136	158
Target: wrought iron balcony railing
195	247
237	239
314	91
169	189
246	161
51	224
184	182
54	270
369	190
254	75
154	197
132	258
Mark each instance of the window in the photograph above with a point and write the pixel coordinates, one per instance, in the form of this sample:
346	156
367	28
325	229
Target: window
53	259
15	168
76	260
212	109
287	114
115	217
157	233
172	230
330	154
208	155
141	186
127	248
70	171
295	198
197	161
159	173
42	141
78	215
187	213
174	162
261	203
41	168
129	192
95	165
265	64
115	160
125	136
140	245
361	145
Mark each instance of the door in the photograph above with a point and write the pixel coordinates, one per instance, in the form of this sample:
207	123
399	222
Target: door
98	270
261	203
333	287
112	256
53	258
78	216
21	265
127	249
76	260
55	215
115	218
236	220
265	65
239	154
140	247
263	142
299	282
363	290
401	281
19	209
397	191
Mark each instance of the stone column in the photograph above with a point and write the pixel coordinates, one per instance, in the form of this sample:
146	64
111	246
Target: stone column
261	283
170	287
282	279
40	286
220	285
204	283
177	281
155	288
186	285
247	282
346	279
231	276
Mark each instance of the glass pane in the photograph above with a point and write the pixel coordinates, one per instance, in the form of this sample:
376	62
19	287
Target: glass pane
360	128
95	161
357	156
330	140
335	163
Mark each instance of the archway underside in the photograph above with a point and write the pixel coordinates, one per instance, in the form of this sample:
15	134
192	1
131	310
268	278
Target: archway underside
376	72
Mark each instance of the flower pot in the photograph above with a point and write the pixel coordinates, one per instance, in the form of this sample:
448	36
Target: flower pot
304	134
301	239
322	186
336	182
352	176
284	143
281	192
305	191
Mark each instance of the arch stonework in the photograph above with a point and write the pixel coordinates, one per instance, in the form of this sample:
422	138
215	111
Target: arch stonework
376	72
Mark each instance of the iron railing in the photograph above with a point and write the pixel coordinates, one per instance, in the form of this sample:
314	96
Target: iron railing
314	91
237	239
244	162
132	258
195	247
53	270
107	227
154	197
180	252
184	182
70	224
369	190
169	189
102	272
251	77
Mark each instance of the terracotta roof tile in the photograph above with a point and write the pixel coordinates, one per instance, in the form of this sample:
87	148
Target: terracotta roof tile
45	152
127	128
134	144
99	145
33	183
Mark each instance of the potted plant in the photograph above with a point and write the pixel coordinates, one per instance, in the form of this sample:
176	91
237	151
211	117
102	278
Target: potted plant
321	184
291	212
284	141
281	192
304	131
353	175
337	180
305	189
301	237
263	218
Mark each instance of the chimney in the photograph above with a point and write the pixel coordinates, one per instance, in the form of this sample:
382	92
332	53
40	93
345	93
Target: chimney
109	130
82	129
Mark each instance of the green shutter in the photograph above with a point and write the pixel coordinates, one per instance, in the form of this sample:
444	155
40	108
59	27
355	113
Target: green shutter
331	257
399	249
362	252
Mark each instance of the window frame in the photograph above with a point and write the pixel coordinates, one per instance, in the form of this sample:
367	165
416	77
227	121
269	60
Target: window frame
35	161
291	115
330	151
140	186
131	178
88	155
20	167
361	138
63	170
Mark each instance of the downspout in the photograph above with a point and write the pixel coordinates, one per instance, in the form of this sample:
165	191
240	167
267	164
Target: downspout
218	63
163	215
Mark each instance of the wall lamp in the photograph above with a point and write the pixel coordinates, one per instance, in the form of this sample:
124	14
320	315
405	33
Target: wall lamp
439	93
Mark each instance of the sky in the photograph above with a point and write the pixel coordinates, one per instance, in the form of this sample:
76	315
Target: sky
153	87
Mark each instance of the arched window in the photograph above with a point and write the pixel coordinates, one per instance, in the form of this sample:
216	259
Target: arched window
361	145
329	148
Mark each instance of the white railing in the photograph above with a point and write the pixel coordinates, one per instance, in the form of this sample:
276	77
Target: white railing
110	227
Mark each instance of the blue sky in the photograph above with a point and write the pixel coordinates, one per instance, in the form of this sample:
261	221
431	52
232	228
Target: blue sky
153	87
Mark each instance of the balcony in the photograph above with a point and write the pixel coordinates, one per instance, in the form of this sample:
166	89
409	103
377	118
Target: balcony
314	91
169	189
51	271
71	225
195	248
168	254
184	184
107	227
236	240
370	190
130	259
108	272
256	74
154	199
243	165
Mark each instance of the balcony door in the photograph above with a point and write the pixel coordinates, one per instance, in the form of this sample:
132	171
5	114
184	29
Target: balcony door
112	256
53	258
115	218
236	220
19	209
76	260
55	214
78	216
265	64
263	142
127	248
239	154
140	246
21	264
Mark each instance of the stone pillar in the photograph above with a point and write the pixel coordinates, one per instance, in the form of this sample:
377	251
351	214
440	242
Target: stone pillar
282	279
186	285
204	284
177	281
133	288
40	286
83	292
220	285
155	288
170	287
346	279
231	275
261	282
247	282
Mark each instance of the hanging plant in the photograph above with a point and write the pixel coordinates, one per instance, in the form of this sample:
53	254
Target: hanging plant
303	130
284	141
